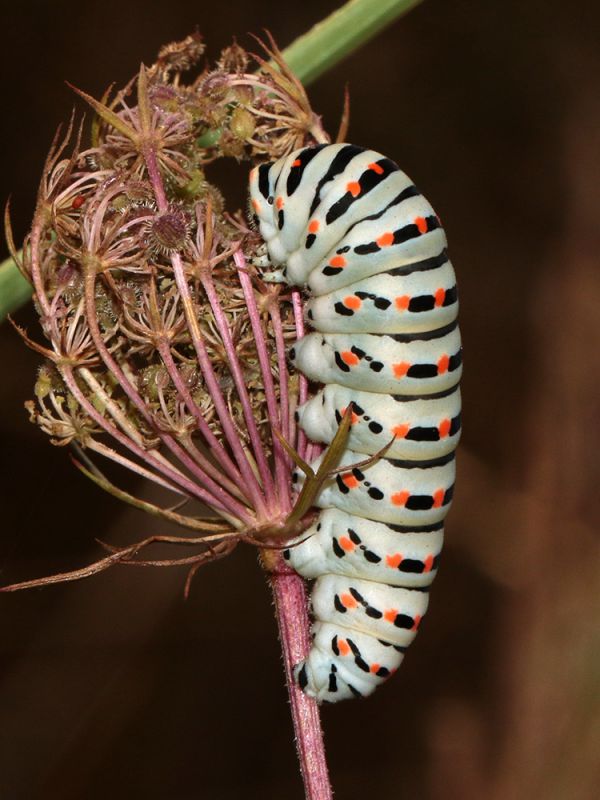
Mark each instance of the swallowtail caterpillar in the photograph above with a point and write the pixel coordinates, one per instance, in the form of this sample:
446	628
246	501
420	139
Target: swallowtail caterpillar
346	223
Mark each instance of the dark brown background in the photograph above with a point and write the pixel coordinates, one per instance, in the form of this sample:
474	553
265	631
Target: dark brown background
116	687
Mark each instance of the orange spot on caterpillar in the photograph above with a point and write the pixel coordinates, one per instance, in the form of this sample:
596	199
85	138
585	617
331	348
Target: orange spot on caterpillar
400	498
78	201
417	622
440	296
352	301
375	668
400	431
256	206
346	543
391	614
354	419
402	302
337	261
376	168
313	226
348	357
421	224
343	647
428	563
393	561
444	428
354	188
253	173
296	163
400	369
442	364
348	601
350	481
385	239
438	498
279	203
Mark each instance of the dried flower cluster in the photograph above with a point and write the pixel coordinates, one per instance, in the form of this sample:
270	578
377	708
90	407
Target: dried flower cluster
166	349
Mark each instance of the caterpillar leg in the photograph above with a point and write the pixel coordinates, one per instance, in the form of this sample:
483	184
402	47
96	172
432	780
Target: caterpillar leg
273	275
269	273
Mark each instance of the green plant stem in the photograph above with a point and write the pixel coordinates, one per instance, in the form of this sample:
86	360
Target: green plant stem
312	54
14	289
340	34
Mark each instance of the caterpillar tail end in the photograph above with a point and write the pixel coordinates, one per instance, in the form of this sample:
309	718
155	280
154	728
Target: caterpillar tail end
321	679
326	687
343	664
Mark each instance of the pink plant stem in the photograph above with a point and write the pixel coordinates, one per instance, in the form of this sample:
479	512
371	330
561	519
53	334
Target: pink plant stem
130	465
249	78
215	492
72	188
289	592
203	360
281	471
312	451
240	384
234	489
156	179
212	383
291	608
36	273
178	478
212	441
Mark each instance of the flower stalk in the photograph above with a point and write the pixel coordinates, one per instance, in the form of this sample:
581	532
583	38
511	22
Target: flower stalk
289	593
340	34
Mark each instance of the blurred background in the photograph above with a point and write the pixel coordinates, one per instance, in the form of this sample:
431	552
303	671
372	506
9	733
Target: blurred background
117	687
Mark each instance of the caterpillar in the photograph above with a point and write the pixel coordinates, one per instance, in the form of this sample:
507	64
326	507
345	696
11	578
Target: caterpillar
348	225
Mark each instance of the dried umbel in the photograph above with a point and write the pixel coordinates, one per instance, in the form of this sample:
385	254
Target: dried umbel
167	350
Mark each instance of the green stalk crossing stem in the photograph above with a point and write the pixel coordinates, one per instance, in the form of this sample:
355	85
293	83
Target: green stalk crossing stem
340	34
15	291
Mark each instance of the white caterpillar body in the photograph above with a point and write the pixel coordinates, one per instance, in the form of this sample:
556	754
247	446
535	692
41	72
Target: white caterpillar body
348	225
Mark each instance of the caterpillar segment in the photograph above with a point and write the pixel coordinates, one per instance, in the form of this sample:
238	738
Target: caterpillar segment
351	228
384	303
421	427
390	490
423	363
